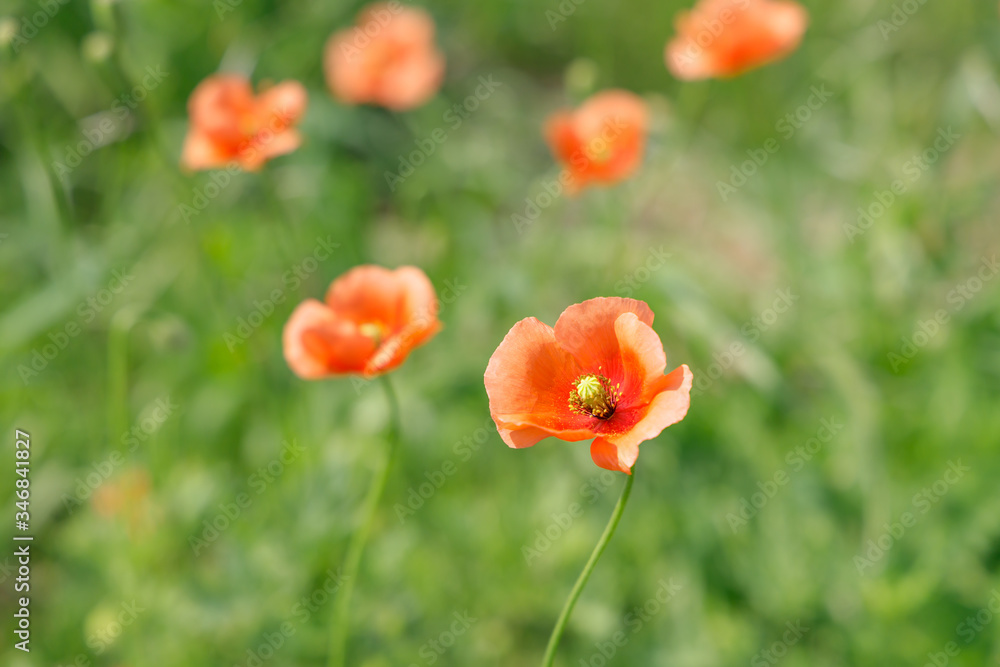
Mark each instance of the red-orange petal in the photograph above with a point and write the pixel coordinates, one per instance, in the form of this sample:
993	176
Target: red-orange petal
564	144
412	83
668	406
528	381
560	136
219	102
282	105
642	355
620	451
587	331
279	144
610	457
390	298
200	152
394	350
317	343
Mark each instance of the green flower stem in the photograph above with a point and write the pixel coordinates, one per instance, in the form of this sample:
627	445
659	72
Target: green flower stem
341	615
581	581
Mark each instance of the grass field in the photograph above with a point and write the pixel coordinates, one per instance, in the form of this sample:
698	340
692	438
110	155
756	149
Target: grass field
818	239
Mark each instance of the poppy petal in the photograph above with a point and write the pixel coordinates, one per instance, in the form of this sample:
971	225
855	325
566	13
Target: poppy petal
217	101
564	144
524	435
528	381
391	298
669	406
587	331
770	34
412	26
417	67
280	144
560	136
612	457
394	350
412	83
642	355
344	76
282	105
200	152
307	315
317	343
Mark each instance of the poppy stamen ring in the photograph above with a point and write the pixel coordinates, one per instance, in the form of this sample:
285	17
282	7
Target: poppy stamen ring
594	395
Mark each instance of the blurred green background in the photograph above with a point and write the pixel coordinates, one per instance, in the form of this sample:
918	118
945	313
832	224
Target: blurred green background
152	421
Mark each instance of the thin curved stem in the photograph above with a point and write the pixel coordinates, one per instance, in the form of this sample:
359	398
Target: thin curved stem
581	581
341	617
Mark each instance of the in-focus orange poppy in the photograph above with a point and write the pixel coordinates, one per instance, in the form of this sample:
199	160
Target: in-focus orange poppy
388	59
724	38
600	142
598	374
228	123
372	319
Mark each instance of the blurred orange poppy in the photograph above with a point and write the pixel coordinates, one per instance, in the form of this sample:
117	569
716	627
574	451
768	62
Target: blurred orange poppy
722	38
598	374
373	317
602	141
388	58
228	123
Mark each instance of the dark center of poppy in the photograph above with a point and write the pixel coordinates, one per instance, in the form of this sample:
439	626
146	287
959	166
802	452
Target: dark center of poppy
594	395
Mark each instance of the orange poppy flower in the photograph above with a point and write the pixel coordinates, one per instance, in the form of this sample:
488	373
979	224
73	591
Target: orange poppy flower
598	374
373	317
230	124
388	58
721	38
602	141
